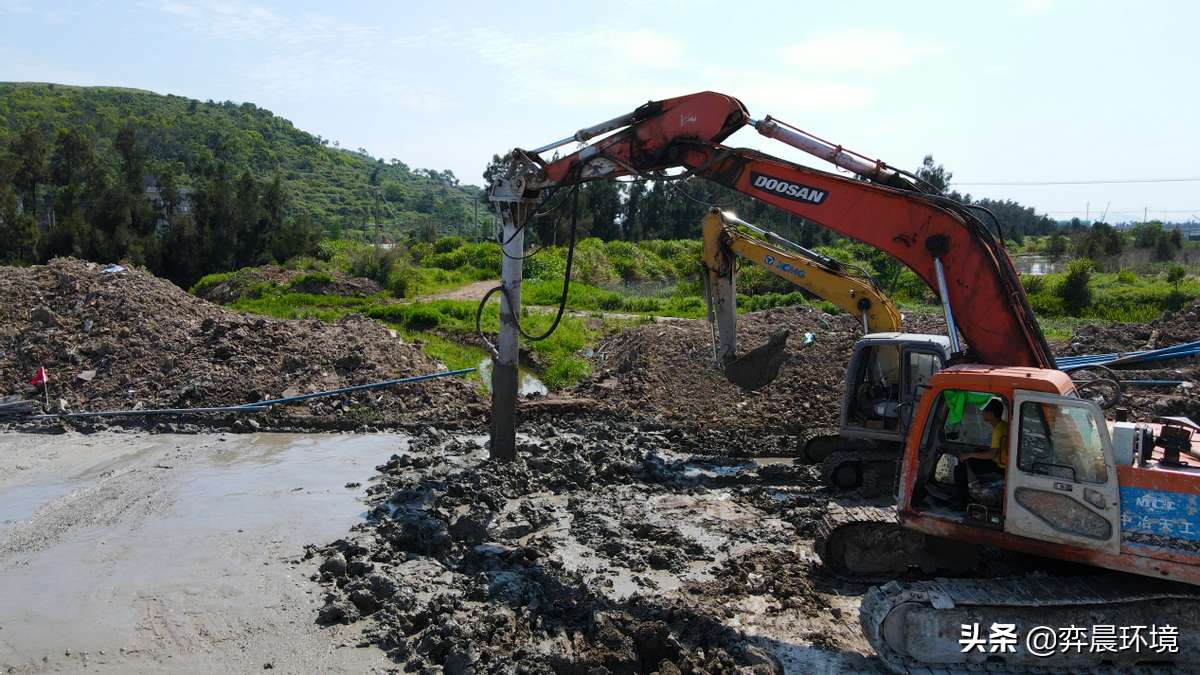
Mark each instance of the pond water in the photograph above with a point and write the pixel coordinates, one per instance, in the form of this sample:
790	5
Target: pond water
1032	263
528	383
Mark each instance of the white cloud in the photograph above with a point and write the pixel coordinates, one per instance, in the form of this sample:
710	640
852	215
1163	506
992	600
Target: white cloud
610	69
863	50
233	20
307	55
785	95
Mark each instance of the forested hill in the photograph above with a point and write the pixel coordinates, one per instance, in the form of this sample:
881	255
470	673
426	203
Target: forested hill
337	187
119	165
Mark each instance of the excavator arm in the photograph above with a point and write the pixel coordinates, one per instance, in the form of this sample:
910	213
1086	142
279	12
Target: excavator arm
824	277
942	241
725	240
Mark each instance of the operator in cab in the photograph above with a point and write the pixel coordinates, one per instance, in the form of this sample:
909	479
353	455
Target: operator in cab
985	463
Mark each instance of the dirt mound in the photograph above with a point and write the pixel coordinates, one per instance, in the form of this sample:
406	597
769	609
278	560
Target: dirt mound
665	374
1172	328
601	549
251	281
125	339
1169	329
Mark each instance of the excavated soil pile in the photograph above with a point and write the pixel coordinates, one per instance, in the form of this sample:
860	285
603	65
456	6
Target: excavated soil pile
664	374
126	339
247	282
603	548
1171	328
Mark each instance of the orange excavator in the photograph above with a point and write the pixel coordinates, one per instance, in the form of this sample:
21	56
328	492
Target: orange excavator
1112	508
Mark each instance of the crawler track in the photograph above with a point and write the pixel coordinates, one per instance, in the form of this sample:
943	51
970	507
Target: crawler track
915	627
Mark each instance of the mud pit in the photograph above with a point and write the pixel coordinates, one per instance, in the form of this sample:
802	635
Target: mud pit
602	549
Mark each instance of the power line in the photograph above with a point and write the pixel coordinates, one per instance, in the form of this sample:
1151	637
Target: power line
1131	211
1102	181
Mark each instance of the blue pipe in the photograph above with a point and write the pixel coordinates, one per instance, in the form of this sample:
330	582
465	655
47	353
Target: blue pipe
257	406
357	387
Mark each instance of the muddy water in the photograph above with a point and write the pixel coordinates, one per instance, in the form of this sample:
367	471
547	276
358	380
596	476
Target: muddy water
178	551
529	383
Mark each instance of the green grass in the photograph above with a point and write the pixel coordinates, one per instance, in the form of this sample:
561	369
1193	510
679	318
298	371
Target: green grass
666	269
436	324
431	280
210	280
1114	297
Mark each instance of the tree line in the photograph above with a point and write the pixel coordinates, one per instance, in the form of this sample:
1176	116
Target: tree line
59	197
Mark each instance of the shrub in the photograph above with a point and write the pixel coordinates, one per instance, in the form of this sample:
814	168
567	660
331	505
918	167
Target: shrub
311	280
447	244
401	279
421	318
635	263
755	280
375	263
1033	283
1175	275
549	263
420	250
484	256
1126	277
592	265
610	302
1074	290
911	288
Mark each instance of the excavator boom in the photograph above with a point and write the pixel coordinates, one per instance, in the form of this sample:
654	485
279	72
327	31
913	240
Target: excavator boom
941	241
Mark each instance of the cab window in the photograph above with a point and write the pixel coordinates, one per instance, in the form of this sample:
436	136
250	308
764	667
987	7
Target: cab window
1061	441
957	421
877	388
964	417
921	367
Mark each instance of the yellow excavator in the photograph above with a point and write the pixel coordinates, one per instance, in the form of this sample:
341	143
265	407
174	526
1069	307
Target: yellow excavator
886	371
726	238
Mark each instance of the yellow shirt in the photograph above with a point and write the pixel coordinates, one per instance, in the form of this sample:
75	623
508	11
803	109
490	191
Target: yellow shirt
1000	444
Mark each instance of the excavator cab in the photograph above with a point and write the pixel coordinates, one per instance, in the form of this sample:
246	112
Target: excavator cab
886	378
1057	482
886	375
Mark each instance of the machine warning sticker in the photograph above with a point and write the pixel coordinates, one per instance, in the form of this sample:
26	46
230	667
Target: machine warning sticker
1159	517
783	188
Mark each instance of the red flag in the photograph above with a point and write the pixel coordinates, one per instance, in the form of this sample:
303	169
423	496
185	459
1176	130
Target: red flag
40	377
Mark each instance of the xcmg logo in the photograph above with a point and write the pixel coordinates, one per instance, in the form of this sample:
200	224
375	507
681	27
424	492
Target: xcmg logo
783	188
787	268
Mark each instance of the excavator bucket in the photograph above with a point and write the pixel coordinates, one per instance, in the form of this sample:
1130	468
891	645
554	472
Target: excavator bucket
758	367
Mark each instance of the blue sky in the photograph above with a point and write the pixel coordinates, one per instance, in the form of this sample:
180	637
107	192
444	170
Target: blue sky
1031	90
